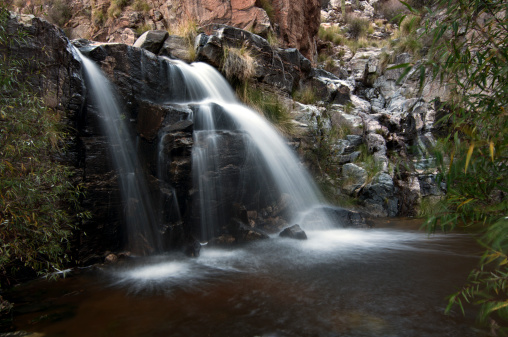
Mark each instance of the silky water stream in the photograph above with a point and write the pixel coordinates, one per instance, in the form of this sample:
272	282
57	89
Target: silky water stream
388	281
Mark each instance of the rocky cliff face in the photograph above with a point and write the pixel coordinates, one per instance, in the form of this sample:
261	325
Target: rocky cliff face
295	22
380	117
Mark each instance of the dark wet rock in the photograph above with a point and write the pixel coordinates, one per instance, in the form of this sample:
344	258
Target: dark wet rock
355	140
247	234
222	240
150	118
192	247
330	88
180	126
409	195
346	218
294	232
152	40
281	68
429	186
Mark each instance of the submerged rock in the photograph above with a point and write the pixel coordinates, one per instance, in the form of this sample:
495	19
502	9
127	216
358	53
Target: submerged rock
294	232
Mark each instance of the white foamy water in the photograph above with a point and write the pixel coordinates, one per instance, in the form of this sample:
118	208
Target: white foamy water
277	255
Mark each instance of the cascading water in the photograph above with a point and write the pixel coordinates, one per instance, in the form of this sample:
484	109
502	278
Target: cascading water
142	236
217	115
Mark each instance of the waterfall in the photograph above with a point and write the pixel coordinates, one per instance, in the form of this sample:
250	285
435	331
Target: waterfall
237	160
218	115
142	231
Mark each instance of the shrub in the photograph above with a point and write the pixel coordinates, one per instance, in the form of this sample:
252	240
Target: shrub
357	27
98	18
143	28
36	191
469	54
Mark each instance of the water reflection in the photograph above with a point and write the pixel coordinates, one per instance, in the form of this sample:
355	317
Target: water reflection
381	282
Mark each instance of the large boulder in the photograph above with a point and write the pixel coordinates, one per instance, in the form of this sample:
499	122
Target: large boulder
152	40
294	232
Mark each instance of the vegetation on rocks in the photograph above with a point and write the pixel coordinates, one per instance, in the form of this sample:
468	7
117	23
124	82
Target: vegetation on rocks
470	53
269	105
36	192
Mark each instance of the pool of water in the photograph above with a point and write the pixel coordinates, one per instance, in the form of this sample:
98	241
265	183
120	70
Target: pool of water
389	281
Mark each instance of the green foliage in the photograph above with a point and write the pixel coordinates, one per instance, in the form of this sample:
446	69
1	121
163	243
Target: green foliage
268	104
406	38
470	54
272	39
35	190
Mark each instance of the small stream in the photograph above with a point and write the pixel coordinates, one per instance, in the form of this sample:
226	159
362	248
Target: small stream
389	281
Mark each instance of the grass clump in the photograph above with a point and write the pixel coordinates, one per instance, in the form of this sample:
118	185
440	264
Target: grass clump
269	105
238	65
406	39
357	27
98	18
143	28
306	95
333	34
368	162
187	28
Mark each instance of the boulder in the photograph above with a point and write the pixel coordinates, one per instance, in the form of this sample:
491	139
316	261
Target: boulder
346	218
379	196
176	47
294	232
152	40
